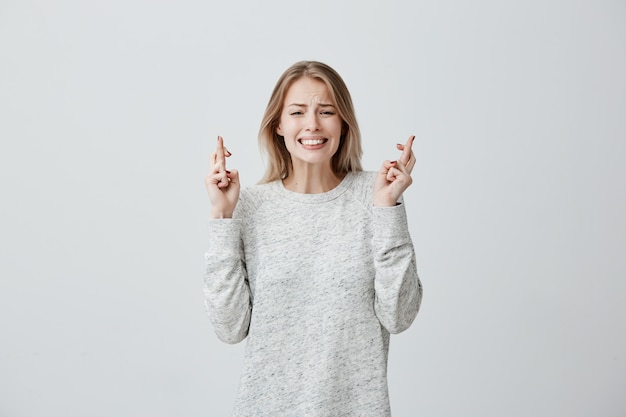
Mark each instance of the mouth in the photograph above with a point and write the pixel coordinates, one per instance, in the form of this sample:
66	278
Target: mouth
312	141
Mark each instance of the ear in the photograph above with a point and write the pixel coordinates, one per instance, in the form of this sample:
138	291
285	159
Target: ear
279	130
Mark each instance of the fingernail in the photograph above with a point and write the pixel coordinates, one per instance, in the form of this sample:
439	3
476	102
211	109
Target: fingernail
227	171
393	162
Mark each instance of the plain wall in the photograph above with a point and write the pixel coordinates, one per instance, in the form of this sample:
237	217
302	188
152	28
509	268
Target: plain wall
109	110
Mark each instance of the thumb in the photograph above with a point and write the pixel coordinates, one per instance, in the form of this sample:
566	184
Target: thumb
233	175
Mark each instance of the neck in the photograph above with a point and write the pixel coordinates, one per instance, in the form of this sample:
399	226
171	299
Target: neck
312	179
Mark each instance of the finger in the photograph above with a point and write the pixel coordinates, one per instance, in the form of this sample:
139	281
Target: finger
392	170
224	179
398	173
216	166
397	166
386	166
213	158
402	174
401	169
411	163
219	179
219	152
233	176
406	150
392	174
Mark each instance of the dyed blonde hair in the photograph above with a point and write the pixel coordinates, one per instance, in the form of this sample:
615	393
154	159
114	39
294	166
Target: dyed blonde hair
348	155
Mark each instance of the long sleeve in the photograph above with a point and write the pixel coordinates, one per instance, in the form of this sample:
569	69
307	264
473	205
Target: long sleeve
226	290
321	274
398	290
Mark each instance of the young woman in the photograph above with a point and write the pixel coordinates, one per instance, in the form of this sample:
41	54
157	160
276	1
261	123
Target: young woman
315	265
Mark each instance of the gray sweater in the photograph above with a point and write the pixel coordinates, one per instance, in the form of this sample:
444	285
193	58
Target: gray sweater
316	282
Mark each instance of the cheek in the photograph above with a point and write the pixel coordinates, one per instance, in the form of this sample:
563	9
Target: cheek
279	128
286	128
339	129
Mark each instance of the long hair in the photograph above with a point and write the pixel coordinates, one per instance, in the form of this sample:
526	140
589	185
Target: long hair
348	155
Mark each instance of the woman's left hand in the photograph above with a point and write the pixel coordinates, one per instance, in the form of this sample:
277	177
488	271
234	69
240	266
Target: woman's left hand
394	177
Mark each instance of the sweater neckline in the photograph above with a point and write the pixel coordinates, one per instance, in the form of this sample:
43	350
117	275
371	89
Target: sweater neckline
318	197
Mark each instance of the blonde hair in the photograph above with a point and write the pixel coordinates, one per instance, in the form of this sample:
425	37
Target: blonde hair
348	155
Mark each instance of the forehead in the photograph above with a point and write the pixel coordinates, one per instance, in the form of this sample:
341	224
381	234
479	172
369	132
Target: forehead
307	89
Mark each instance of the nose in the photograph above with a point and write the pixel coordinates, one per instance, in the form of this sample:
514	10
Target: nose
312	122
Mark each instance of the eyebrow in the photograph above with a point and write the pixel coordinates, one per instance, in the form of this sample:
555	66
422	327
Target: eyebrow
305	105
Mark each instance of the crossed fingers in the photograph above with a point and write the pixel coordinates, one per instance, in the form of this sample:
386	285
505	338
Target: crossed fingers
218	163
408	157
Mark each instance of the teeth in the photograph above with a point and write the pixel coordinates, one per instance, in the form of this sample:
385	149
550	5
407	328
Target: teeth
312	141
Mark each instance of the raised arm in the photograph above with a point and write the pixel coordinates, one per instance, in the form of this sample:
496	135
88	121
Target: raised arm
226	290
398	288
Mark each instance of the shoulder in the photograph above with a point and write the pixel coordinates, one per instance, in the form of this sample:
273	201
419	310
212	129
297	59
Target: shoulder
361	185
365	178
254	196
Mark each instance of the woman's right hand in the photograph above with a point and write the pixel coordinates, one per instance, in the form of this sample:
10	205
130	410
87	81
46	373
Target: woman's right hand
221	185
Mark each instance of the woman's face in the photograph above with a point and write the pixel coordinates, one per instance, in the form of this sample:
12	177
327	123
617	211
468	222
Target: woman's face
309	123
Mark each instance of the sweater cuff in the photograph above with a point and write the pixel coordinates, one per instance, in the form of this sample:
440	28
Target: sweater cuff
390	222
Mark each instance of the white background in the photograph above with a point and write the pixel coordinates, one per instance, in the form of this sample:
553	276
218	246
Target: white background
109	110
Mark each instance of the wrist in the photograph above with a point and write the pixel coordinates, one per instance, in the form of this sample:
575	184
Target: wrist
384	203
220	214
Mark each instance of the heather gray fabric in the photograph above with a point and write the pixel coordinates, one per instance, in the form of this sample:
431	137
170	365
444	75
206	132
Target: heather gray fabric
316	282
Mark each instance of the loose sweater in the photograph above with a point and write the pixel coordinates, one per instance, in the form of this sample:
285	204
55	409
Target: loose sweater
316	282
